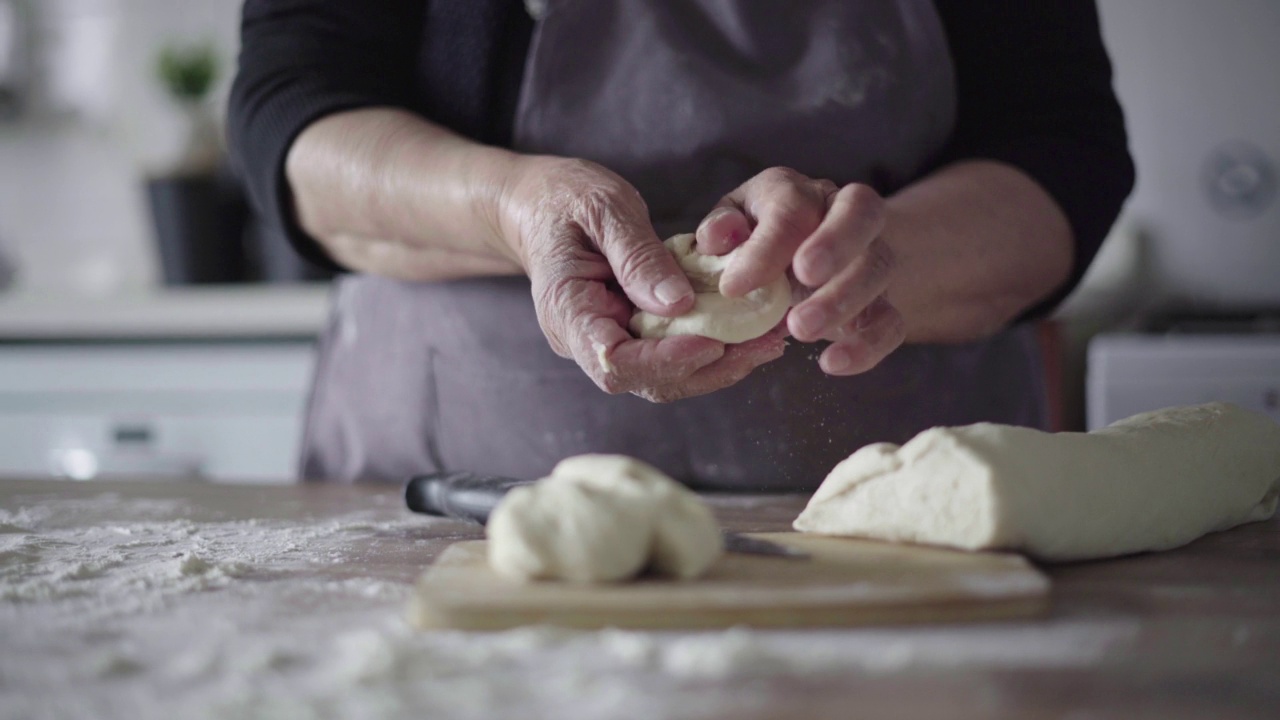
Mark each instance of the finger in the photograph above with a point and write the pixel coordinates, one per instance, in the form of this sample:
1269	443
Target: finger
865	341
643	267
635	364
738	362
787	208
799	292
855	217
724	229
827	188
585	321
618	362
845	296
566	304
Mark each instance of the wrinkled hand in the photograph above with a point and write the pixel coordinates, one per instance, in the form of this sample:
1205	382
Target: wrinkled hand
828	237
584	238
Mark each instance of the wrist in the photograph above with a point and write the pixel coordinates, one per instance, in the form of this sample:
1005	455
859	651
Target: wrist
496	200
467	180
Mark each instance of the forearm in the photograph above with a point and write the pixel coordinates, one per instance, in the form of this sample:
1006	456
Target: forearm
387	192
975	244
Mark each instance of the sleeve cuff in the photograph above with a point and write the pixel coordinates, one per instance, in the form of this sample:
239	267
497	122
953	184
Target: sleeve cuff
1089	183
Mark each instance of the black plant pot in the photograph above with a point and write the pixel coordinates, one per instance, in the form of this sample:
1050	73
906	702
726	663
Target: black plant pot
274	260
199	222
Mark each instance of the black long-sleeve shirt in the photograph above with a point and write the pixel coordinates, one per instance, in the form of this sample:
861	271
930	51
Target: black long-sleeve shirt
1033	85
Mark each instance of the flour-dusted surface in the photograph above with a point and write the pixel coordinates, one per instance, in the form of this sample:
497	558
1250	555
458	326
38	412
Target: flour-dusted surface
146	601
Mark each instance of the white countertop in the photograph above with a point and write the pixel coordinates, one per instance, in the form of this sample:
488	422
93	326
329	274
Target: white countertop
198	312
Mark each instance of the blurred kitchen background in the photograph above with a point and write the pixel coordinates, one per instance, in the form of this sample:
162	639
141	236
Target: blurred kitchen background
149	326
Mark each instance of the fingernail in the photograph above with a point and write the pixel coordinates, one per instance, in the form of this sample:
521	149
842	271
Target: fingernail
810	320
671	291
715	215
706	221
838	360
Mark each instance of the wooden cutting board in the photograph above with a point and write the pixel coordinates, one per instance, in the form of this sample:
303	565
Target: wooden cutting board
844	582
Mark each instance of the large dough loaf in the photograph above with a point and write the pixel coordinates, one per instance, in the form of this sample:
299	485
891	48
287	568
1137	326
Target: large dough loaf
1150	482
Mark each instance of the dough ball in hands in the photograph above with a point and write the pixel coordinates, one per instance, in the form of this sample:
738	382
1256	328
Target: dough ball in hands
729	320
602	518
1150	482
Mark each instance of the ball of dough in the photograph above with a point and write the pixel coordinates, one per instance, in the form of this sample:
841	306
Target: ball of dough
567	530
686	538
602	518
729	320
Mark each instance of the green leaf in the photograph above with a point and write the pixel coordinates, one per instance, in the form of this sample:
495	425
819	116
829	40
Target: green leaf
188	72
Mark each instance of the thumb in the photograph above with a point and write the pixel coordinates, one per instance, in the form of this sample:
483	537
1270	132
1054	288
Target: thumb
646	270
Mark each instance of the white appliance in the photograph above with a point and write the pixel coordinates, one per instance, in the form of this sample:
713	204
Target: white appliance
1198	81
1133	373
1198	84
218	410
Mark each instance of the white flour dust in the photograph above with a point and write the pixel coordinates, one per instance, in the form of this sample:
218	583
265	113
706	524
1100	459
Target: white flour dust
68	551
113	607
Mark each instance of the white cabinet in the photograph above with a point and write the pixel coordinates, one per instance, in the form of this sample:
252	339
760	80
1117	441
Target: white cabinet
1129	374
218	409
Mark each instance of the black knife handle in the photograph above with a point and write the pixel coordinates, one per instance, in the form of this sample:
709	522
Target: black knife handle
461	494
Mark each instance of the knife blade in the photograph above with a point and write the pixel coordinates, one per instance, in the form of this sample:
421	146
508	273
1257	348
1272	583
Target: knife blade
471	496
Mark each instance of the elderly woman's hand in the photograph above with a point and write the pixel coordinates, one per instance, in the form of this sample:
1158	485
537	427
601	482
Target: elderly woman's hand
584	238
829	239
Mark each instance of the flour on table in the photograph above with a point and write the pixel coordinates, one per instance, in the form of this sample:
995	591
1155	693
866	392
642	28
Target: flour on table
58	552
116	607
1151	482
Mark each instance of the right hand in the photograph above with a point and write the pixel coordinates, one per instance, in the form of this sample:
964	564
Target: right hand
584	238
829	240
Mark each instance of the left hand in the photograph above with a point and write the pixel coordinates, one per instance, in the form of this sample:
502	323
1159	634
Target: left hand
829	237
738	361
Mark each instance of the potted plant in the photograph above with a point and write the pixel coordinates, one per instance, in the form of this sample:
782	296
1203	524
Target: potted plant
198	214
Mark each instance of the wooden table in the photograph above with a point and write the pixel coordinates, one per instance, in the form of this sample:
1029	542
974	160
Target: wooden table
1191	633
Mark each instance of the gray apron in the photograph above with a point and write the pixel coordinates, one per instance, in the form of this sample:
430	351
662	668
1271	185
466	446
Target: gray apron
686	99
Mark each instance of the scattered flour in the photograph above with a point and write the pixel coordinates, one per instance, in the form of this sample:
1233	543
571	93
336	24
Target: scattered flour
152	609
116	567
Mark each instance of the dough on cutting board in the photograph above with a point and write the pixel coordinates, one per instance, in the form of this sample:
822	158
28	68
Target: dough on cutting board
1150	482
602	518
729	320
